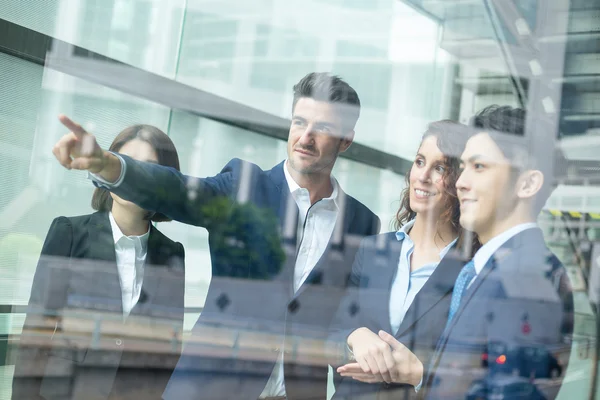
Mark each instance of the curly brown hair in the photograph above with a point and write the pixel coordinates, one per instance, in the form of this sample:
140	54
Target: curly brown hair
451	137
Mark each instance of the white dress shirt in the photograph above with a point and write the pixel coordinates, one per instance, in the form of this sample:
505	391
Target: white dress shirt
408	283
318	222
487	250
131	254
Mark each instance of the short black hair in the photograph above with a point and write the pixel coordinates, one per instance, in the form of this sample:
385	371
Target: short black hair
503	119
323	86
165	152
503	123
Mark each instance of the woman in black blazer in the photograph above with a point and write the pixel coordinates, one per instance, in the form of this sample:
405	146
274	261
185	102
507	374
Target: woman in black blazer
106	307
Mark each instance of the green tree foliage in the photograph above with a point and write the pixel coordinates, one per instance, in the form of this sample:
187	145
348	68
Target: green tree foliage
244	239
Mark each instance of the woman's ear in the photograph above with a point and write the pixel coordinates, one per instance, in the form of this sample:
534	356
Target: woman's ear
530	183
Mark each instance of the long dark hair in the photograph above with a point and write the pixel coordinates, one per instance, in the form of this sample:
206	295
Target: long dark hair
165	152
450	139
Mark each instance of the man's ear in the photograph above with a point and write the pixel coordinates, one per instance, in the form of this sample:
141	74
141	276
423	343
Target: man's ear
530	183
346	140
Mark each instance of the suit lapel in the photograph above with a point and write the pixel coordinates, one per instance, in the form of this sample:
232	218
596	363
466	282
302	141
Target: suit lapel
504	250
489	266
379	282
343	221
101	248
499	255
282	202
434	361
439	285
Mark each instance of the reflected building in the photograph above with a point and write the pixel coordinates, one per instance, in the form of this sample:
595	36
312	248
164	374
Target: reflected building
221	80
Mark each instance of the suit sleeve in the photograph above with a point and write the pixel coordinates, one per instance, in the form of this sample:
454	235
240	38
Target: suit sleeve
167	191
376	226
48	293
347	318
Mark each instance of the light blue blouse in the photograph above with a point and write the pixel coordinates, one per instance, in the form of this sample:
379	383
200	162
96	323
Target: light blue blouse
407	284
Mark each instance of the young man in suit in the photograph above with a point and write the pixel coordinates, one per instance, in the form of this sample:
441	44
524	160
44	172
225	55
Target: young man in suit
291	296
512	303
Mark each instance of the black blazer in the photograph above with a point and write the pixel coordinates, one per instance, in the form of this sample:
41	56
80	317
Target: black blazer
252	221
77	272
366	303
523	284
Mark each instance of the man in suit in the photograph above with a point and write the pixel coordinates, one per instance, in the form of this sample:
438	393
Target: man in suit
289	298
515	294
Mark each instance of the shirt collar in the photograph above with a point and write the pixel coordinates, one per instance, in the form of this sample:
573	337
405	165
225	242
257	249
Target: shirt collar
118	234
403	231
403	234
295	188
487	250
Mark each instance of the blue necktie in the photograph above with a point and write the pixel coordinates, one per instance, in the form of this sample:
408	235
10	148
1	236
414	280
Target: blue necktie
467	273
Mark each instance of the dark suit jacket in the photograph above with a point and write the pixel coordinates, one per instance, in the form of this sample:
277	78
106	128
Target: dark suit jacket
252	221
77	272
523	285
366	304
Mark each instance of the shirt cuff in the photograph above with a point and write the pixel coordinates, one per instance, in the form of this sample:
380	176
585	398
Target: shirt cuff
103	183
418	387
349	353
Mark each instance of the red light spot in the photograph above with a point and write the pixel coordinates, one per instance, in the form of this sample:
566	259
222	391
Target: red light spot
526	328
484	356
501	359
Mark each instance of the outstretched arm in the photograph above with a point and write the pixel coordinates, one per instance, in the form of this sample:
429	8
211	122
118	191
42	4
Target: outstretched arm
152	187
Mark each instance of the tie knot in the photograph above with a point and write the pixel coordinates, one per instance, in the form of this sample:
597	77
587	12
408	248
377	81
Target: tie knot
469	267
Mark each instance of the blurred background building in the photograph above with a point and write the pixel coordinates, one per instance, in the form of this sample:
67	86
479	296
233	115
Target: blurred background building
218	75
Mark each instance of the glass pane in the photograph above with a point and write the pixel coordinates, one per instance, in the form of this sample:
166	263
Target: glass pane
256	199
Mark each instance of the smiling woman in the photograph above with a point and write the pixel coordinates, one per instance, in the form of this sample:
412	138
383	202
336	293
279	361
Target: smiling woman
403	301
431	182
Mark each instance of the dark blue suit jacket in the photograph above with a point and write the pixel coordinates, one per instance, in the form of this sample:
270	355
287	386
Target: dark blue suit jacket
521	299
366	303
252	221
